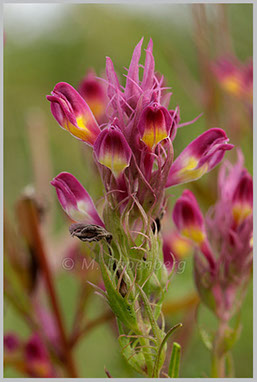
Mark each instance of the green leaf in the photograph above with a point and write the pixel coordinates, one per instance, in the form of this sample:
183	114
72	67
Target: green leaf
155	328
157	362
120	306
174	361
137	361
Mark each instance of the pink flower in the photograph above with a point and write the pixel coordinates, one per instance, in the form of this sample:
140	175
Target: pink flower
73	114
75	200
224	238
199	157
93	92
112	150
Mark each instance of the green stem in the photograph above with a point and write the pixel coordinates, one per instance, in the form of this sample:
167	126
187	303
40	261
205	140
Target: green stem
218	353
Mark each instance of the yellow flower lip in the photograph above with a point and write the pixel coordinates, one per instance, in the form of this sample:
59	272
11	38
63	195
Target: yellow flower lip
194	233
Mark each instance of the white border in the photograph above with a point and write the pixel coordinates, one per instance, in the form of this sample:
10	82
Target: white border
254	171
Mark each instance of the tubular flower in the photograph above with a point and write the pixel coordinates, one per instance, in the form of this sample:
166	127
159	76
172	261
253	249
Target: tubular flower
75	200
175	248
73	113
189	221
188	217
242	200
235	78
229	230
154	125
199	157
112	150
94	93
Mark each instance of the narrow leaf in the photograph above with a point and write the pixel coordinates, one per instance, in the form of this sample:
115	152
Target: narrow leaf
169	333
174	361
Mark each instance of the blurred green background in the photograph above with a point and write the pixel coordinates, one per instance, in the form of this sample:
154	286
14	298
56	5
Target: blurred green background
45	44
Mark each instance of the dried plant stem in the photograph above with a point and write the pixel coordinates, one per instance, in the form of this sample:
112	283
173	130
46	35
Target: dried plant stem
32	220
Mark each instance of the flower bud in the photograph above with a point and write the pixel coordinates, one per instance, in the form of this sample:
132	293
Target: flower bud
199	157
112	150
75	200
73	113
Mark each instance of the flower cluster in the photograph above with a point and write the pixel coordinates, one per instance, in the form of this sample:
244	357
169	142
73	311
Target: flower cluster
223	239
134	149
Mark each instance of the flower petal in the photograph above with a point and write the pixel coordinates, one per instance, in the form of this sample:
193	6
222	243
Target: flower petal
112	150
72	113
188	218
199	157
94	93
154	125
75	200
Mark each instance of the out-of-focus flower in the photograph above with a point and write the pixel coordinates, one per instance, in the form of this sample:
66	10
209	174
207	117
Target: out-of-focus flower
188	217
175	248
94	93
235	78
75	200
228	230
73	113
189	221
11	342
36	358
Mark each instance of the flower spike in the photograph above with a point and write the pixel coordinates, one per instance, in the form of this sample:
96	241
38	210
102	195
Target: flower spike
75	200
199	157
73	113
112	150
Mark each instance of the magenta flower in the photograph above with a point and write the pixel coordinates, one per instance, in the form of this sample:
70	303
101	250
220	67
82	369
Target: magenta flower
37	360
11	342
137	143
242	199
93	92
175	248
189	221
75	200
154	125
112	150
199	157
73	114
188	217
